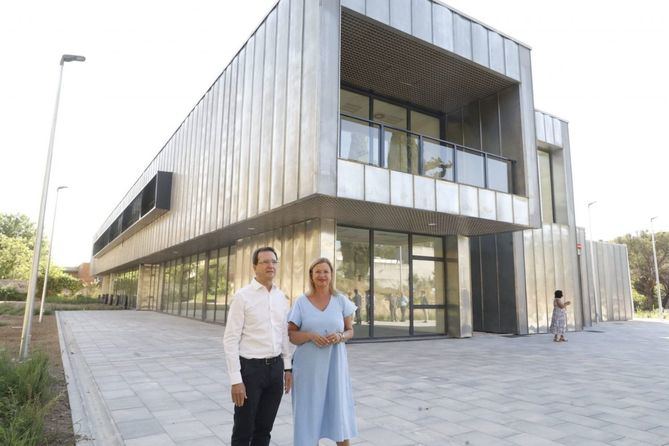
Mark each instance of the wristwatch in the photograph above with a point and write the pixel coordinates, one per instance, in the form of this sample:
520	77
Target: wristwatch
288	370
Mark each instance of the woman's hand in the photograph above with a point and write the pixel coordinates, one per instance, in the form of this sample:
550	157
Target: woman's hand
320	341
567	303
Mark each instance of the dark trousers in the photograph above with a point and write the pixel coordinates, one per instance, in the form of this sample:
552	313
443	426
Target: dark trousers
264	389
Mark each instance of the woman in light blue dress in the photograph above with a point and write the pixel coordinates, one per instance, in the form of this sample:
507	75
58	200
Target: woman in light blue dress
320	323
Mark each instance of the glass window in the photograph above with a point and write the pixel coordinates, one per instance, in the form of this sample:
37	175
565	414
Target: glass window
198	297
352	274
424	245
354	104
212	282
424	124
452	247
470	168
222	287
498	175
437	159
232	265
391	284
359	141
454	127
546	184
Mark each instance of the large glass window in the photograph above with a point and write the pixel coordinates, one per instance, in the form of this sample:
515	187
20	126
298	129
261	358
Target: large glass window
391	284
198	297
212	282
470	168
352	274
546	184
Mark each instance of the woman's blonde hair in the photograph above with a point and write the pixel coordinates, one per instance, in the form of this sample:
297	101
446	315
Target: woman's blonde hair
312	286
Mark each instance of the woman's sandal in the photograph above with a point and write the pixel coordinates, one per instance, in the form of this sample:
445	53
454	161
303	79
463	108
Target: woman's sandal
563	340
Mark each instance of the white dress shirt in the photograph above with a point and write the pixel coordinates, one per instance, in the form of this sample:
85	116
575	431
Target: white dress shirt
257	327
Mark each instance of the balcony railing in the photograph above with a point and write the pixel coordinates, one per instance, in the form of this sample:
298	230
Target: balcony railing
398	149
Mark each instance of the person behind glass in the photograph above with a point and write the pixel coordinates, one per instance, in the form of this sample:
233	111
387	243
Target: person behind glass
559	318
319	324
357	301
256	351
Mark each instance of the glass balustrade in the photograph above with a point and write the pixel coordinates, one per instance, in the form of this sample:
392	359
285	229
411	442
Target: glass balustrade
398	149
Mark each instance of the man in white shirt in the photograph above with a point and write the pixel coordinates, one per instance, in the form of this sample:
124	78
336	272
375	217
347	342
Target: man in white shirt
257	352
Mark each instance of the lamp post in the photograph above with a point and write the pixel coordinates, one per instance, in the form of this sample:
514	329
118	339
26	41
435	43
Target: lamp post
657	271
32	284
48	261
598	309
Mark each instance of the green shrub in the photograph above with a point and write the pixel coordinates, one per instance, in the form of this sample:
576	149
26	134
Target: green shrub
25	397
7	293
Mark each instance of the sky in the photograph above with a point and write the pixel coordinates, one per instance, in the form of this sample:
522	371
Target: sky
600	65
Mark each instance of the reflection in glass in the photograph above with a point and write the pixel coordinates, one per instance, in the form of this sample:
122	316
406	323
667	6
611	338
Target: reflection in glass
352	273
354	104
428	282
498	175
180	288
427	246
359	141
401	151
429	320
470	168
212	280
452	247
222	286
424	124
391	284
437	159
198	297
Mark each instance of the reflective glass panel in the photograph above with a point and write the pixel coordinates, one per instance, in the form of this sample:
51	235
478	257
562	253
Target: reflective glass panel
452	247
470	168
498	175
198	298
180	287
354	104
222	287
352	273
424	124
429	320
391	284
424	245
428	282
359	141
212	276
437	159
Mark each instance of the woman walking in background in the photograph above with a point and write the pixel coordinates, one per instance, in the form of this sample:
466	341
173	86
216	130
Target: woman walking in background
559	319
319	324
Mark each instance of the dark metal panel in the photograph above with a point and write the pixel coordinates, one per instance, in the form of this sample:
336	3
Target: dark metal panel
490	286
507	284
530	282
477	288
400	15
490	125
421	19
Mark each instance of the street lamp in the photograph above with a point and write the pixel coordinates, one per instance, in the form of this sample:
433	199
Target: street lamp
32	284
48	261
657	271
592	265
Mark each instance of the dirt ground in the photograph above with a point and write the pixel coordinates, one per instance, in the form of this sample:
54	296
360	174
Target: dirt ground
58	422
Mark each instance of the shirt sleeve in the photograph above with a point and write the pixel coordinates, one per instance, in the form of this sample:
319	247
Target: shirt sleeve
295	315
348	307
231	338
286	346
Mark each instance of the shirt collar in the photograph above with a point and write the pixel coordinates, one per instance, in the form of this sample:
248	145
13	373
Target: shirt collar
257	285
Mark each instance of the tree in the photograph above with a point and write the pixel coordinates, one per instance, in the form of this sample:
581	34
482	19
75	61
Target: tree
18	226
642	268
15	258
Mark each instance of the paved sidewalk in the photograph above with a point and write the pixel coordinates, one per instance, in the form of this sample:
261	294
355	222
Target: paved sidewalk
143	378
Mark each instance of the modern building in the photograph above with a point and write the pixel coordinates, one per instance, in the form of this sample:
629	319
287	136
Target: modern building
397	137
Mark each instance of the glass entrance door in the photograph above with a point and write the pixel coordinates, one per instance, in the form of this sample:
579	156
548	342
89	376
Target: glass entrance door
428	285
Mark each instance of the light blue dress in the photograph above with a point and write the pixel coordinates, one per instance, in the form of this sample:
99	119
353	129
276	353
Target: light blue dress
322	393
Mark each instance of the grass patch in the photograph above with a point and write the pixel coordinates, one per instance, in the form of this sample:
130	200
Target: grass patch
25	397
649	314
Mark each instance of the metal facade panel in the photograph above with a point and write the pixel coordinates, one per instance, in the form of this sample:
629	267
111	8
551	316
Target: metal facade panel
421	19
294	100
257	115
511	59
468	198
540	125
299	264
237	148
557	132
545	282
401	189
247	125
489	284
310	92
442	26
379	10
619	303
490	124
558	264
527	178
231	95
520	210
328	237
465	328
548	125
218	148
287	261
224	147
504	205
270	68
627	283
350	180
424	193
448	197
568	246
377	184
487	204
463	36
280	95
400	15
530	281
355	5
480	48
476	287
496	51
512	305
312	242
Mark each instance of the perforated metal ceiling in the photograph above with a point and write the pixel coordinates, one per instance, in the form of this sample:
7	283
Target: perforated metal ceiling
389	63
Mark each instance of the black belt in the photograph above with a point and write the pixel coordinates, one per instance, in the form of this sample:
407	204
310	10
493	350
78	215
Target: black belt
262	361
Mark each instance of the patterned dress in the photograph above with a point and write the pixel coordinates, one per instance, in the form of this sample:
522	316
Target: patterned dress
559	319
322	392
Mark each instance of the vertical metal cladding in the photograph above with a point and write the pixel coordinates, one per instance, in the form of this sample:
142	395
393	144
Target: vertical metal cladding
265	145
256	118
293	101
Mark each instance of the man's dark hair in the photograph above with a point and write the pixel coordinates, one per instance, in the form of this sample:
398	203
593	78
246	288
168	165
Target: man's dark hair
263	249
